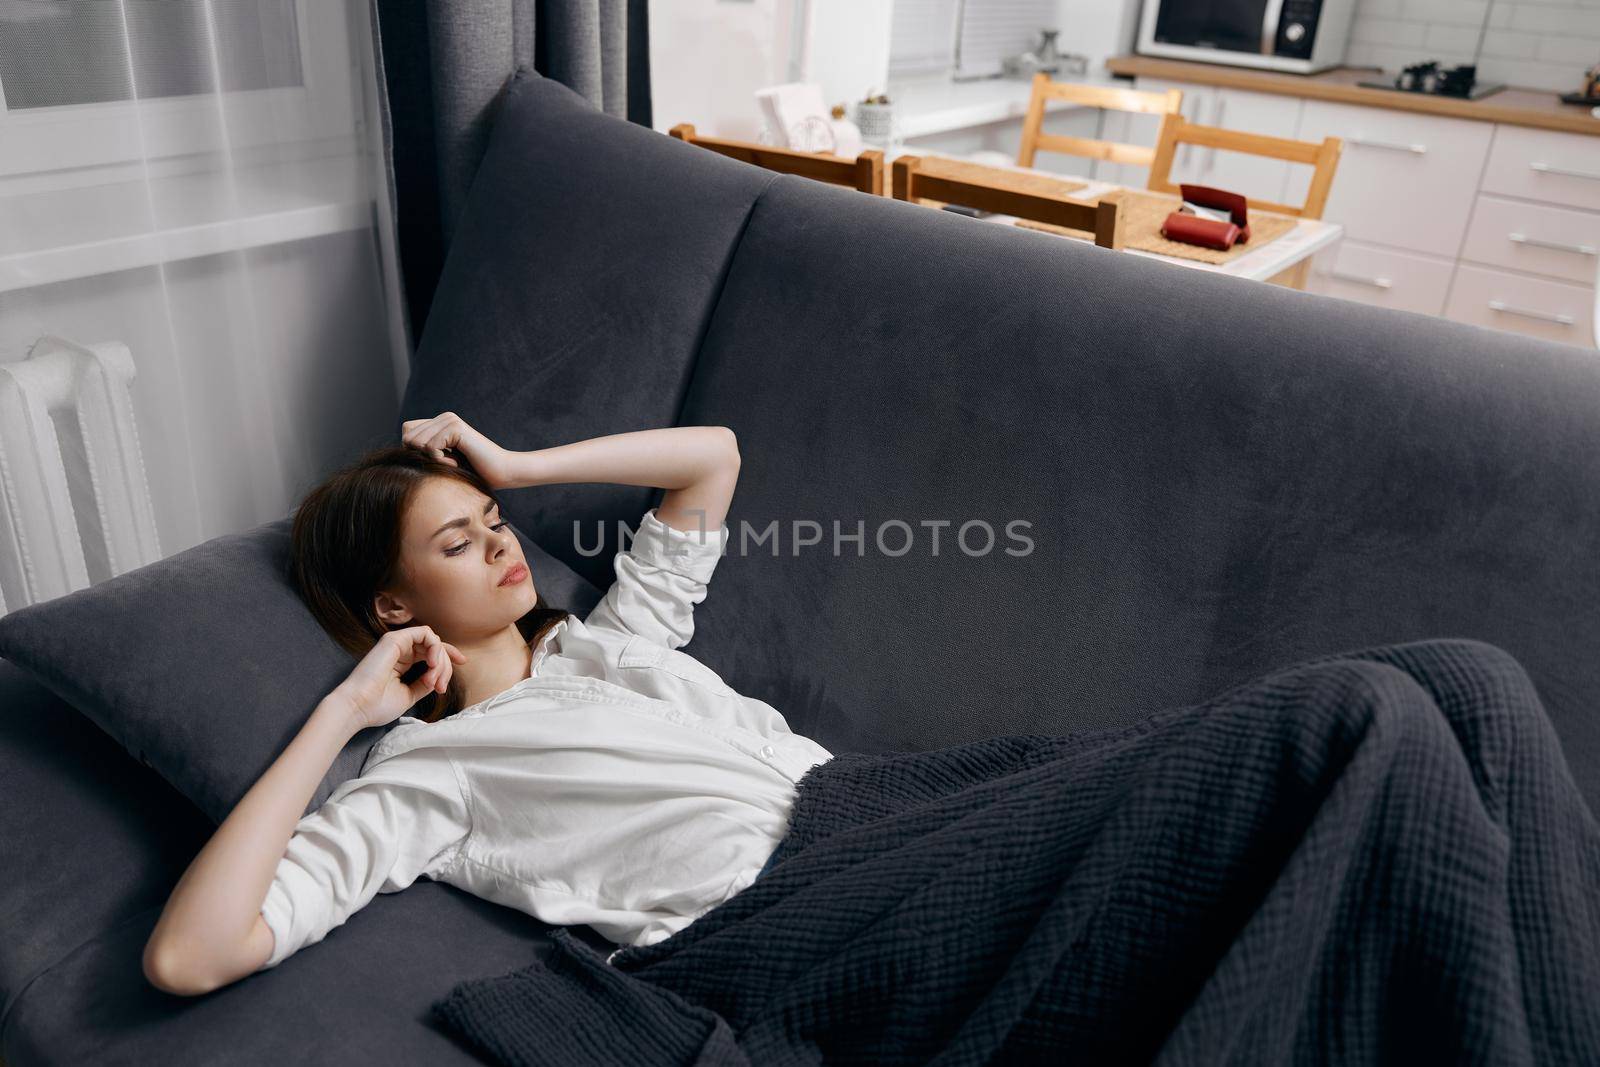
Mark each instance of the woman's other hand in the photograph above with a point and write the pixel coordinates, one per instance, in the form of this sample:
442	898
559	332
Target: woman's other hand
374	692
450	431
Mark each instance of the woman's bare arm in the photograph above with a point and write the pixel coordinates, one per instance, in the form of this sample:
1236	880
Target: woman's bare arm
697	465
211	932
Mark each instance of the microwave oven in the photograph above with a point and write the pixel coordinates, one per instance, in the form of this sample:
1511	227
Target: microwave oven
1298	36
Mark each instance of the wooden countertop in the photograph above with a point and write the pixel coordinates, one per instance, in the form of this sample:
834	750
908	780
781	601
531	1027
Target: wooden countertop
1518	107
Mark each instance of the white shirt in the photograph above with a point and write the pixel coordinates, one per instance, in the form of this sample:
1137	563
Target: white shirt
621	784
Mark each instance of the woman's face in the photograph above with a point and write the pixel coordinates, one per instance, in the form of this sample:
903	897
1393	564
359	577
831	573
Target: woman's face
453	556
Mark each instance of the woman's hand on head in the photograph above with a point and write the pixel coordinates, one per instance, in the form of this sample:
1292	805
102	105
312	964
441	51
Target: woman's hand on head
450	431
374	692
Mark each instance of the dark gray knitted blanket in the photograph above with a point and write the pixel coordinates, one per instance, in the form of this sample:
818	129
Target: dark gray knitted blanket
1378	856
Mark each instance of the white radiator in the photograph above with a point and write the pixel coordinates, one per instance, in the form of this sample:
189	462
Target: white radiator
74	500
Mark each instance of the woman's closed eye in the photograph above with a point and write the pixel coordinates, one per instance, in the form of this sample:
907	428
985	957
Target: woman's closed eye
462	547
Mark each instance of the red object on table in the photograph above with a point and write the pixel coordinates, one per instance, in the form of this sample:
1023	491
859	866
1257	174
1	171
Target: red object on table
1194	230
1209	233
1237	207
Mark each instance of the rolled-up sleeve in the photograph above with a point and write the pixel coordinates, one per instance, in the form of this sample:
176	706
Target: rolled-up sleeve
661	576
374	834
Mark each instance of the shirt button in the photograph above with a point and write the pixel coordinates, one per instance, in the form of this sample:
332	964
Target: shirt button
766	751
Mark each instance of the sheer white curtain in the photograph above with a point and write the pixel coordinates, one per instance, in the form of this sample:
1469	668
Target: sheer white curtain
192	189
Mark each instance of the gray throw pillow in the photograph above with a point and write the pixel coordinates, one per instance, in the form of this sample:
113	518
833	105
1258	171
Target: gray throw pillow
204	665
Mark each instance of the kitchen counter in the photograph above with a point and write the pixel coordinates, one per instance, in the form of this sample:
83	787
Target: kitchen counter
1517	107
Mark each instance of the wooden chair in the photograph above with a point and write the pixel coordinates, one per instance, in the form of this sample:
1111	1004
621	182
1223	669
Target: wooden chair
1100	96
864	172
1027	196
1323	158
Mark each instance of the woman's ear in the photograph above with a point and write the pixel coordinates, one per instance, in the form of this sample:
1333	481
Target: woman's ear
391	611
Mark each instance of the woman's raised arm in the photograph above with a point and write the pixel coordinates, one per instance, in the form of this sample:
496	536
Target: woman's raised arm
212	932
697	465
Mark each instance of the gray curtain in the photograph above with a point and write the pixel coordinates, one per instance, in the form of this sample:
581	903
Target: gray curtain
442	64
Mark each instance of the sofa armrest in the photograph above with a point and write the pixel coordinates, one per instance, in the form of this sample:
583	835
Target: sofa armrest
95	836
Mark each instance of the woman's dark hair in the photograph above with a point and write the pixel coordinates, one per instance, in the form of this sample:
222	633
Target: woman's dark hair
346	546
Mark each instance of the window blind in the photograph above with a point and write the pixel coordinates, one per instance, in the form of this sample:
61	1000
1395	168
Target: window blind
923	35
994	29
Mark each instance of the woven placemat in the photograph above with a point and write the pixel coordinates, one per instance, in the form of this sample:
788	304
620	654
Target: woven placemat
1141	228
1016	180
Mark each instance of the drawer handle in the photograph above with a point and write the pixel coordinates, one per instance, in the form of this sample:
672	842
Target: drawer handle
1529	313
1376	282
1524	239
1416	149
1545	168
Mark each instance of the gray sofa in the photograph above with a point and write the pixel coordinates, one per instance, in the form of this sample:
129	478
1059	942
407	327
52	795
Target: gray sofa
1219	477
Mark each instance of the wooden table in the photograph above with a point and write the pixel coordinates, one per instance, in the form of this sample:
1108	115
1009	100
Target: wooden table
1287	253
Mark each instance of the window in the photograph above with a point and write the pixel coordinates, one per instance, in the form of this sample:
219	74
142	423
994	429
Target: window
94	52
968	38
87	86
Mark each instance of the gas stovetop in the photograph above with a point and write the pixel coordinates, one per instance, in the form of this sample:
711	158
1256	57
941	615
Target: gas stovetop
1475	93
1432	80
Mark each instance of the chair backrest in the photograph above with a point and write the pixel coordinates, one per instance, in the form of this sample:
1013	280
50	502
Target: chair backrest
1027	196
1324	159
1034	138
864	172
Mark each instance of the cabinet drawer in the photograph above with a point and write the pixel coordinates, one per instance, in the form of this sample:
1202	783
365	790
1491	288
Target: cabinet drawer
1534	237
1405	180
1557	168
1383	277
1537	306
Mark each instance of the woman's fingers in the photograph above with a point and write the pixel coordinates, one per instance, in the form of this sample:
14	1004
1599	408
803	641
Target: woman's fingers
424	427
441	669
415	643
417	431
435	673
421	643
416	689
434	435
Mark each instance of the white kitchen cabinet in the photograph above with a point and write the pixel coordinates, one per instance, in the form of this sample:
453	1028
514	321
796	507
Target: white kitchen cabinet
1537	213
1372	274
1522	303
1545	165
1536	238
1405	180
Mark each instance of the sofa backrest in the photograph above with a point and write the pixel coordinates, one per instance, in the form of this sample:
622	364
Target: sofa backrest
1213	478
1220	477
575	295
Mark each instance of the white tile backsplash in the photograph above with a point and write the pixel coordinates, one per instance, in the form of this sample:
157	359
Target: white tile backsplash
1532	44
1444	12
1451	39
1511	45
1389	31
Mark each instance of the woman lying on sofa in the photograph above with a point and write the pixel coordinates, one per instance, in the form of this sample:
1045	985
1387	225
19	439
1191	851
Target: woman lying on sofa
1376	852
405	559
